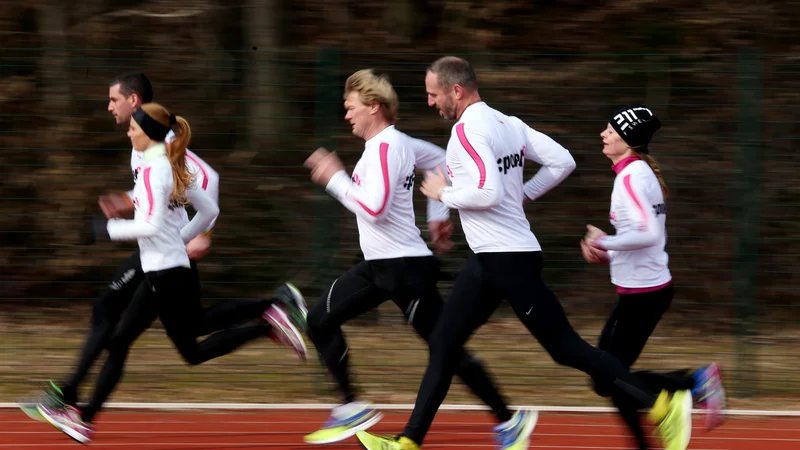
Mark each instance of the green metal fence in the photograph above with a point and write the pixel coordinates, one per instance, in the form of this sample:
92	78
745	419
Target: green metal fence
726	149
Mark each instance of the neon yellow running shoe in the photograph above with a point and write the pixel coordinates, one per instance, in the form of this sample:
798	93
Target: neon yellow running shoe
344	422
674	419
374	442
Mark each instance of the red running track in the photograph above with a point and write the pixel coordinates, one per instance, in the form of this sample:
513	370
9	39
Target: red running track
270	430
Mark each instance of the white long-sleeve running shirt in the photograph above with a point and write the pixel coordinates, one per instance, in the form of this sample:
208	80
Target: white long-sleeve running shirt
158	224
380	193
205	177
636	253
485	158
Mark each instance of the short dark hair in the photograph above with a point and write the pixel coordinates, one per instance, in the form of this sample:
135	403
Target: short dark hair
134	83
452	70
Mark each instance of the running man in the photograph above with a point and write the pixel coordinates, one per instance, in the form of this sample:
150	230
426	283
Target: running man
397	265
485	158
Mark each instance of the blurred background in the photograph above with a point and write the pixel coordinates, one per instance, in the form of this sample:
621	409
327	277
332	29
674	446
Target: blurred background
261	83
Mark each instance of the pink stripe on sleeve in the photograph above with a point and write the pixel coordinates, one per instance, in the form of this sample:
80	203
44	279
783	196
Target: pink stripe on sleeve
627	182
202	169
149	190
462	137
385	169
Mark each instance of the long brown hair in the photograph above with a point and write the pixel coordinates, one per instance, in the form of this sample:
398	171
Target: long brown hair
176	150
656	169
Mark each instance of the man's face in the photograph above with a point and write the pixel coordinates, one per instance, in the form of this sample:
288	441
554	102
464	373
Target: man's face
440	98
121	107
360	116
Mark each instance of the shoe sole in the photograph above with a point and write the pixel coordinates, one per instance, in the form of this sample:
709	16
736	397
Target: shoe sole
290	335
364	426
77	437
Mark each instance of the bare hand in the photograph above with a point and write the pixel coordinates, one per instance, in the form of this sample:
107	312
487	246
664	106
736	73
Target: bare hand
441	231
318	155
323	165
115	205
198	247
593	255
433	183
592	234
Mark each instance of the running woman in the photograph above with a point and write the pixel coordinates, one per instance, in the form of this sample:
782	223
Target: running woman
170	289
485	157
397	265
126	93
639	266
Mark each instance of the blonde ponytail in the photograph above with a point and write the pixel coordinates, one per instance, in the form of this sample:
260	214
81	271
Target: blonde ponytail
176	151
656	169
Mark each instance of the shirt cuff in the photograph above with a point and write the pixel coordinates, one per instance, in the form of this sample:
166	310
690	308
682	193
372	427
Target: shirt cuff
338	184
598	243
443	195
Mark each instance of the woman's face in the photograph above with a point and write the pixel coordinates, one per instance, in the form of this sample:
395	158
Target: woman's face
139	140
613	146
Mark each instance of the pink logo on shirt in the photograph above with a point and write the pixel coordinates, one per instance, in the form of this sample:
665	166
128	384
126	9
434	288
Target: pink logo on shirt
449	172
613	216
356	180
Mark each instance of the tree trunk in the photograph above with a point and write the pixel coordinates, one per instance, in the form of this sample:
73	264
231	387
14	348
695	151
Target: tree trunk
53	70
263	36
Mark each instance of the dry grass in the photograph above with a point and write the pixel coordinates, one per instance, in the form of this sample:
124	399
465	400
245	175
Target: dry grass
388	362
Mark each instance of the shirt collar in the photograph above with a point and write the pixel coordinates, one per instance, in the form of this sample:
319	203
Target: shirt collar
624	163
156	150
376	137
